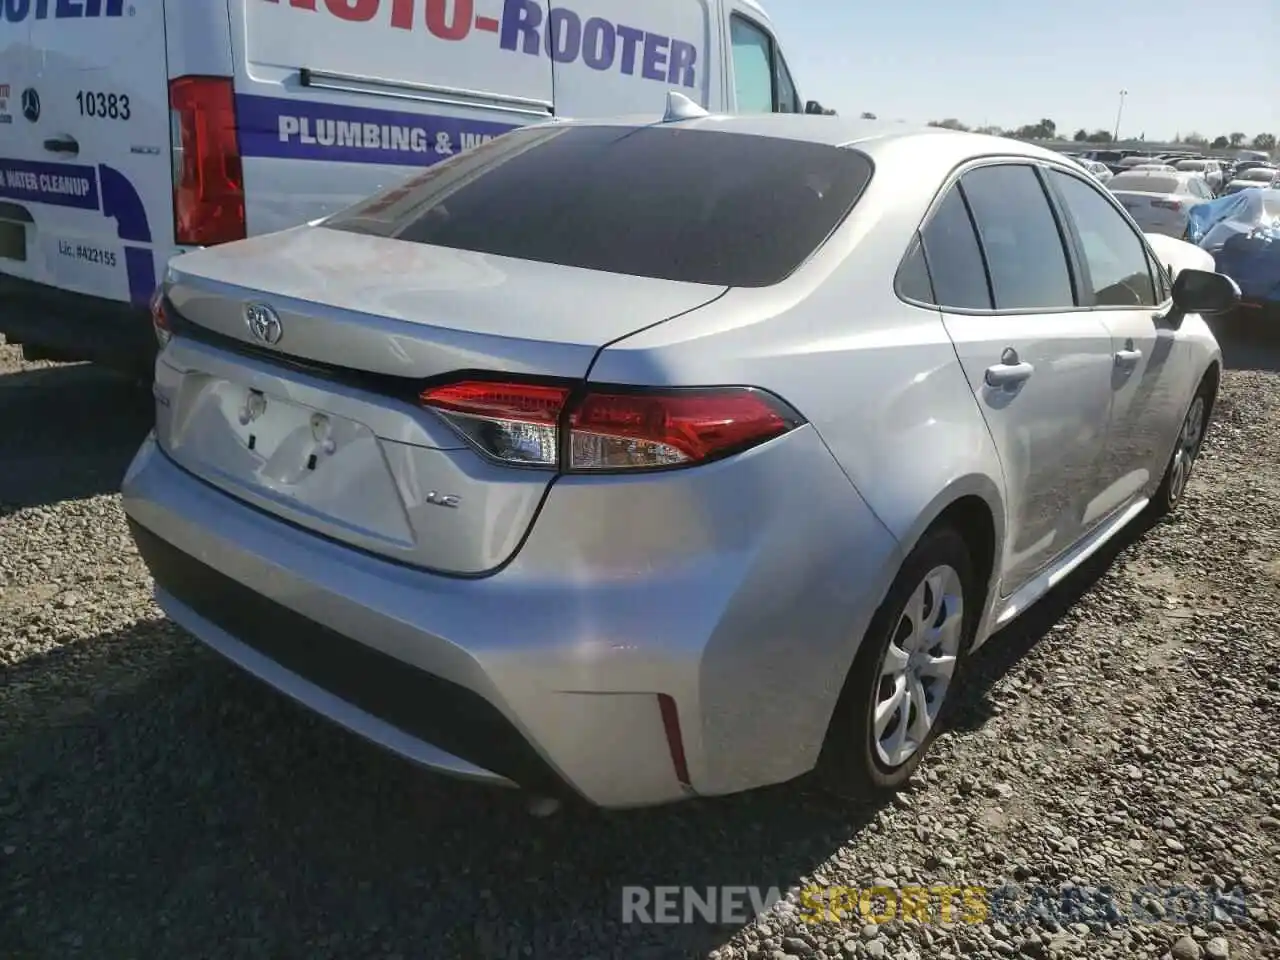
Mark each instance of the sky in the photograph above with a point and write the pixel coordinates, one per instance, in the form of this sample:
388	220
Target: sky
1188	65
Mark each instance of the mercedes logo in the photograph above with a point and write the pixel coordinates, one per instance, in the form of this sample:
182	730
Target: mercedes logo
263	323
31	104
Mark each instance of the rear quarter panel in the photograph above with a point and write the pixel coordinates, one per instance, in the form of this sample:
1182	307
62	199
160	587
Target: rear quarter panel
878	378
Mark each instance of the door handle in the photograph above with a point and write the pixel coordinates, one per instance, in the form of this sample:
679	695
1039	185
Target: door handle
1009	375
62	145
1128	358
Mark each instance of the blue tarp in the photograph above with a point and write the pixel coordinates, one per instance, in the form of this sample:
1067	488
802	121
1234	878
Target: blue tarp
1242	232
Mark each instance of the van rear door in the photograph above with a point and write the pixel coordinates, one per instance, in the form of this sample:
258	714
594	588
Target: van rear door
85	162
337	101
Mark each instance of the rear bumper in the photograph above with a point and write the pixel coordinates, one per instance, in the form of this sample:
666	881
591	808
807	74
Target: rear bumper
80	326
547	674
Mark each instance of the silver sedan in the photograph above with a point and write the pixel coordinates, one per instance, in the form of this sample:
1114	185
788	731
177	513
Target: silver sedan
635	462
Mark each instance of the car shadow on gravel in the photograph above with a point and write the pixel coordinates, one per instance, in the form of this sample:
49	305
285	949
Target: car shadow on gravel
1248	342
974	705
67	432
155	800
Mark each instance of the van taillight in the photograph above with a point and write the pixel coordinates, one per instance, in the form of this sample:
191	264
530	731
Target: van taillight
208	182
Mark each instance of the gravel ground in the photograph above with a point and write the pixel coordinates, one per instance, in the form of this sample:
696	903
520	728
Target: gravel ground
156	803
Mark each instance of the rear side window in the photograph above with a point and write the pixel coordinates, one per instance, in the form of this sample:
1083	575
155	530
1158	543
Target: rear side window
1019	234
913	276
699	206
954	258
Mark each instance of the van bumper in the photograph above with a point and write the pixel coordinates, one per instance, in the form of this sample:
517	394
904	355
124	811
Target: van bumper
76	326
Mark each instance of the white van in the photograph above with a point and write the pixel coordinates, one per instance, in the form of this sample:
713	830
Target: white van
130	129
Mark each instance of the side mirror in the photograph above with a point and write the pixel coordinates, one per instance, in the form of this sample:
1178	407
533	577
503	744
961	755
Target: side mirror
813	107
1199	291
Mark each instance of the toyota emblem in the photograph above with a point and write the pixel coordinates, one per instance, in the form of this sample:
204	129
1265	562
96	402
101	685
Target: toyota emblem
263	323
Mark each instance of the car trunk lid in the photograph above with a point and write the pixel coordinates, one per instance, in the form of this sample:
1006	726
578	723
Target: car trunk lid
321	427
384	306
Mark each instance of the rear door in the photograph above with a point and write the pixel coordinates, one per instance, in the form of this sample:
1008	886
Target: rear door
1039	366
336	101
85	165
621	57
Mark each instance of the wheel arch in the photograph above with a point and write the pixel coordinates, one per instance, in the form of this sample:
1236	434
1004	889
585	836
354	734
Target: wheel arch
973	504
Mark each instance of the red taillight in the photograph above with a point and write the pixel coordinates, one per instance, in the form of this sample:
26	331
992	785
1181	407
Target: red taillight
623	429
160	319
1175	205
208	181
612	430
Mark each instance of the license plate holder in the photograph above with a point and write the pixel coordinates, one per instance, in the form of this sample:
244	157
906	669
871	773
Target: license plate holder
293	439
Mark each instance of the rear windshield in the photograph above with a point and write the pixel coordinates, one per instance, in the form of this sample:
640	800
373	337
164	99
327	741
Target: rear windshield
1145	183
675	204
1191	164
1257	173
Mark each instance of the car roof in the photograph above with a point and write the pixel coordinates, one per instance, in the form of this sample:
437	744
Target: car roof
869	136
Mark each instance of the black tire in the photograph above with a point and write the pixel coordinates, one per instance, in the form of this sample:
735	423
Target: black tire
850	764
1172	489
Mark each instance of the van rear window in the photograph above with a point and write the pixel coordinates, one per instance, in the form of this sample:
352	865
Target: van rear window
677	204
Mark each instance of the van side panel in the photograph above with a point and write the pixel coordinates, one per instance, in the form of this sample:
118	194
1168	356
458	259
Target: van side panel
619	57
338	100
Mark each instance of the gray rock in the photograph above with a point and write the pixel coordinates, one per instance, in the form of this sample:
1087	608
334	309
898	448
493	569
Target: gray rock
1184	948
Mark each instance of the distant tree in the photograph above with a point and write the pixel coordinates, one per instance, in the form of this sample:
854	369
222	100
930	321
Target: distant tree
1219	143
1081	136
1237	139
1265	141
951	123
1044	130
868	115
1196	140
991	131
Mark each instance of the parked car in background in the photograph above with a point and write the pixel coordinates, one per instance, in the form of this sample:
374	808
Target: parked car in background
1161	167
1211	170
1159	201
754	450
1242	165
1242	232
1111	158
1135	160
1100	171
1260	177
